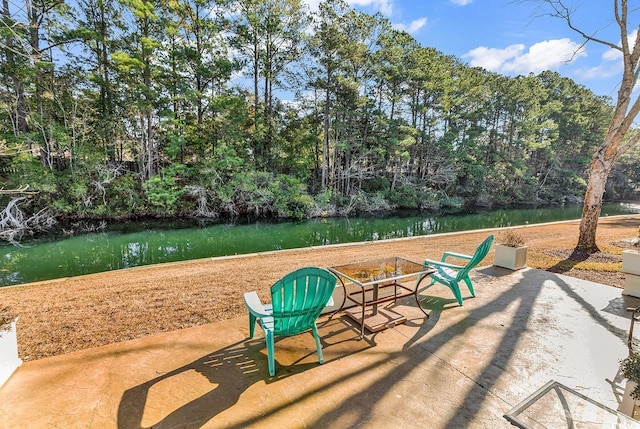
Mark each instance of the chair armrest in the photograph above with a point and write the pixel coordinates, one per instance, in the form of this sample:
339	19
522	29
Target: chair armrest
455	255
442	264
254	305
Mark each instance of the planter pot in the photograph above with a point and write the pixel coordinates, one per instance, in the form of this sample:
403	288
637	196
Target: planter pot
9	360
512	258
631	262
631	285
628	404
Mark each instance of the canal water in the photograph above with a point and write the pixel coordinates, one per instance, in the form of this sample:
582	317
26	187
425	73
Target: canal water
133	244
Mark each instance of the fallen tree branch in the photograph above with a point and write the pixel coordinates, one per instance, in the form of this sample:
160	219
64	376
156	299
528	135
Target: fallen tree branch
14	225
21	190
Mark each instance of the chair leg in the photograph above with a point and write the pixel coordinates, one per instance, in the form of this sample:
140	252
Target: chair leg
467	280
316	335
270	352
252	325
456	291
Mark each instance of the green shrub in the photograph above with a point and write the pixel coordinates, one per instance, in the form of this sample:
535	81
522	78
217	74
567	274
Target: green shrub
264	194
124	195
403	196
377	203
290	198
163	192
455	203
324	204
376	184
630	369
30	171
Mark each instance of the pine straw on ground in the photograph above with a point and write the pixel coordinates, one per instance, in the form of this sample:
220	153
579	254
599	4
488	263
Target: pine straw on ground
71	314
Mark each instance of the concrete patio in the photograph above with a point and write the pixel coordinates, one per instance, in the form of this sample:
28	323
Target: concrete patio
462	367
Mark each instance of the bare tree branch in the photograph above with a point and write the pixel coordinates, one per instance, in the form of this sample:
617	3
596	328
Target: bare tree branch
624	113
14	224
20	190
560	10
630	143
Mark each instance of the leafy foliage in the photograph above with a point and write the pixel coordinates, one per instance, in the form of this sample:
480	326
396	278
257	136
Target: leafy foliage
630	369
163	191
353	117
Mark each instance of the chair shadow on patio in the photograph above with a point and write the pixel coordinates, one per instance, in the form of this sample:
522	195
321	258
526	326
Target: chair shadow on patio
213	383
487	356
436	298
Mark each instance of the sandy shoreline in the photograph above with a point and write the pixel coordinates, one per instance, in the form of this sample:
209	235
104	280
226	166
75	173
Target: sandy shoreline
65	315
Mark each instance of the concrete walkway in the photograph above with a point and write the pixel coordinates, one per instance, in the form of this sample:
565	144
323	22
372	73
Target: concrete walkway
462	367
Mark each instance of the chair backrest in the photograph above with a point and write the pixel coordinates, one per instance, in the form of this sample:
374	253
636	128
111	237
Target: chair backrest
299	298
478	256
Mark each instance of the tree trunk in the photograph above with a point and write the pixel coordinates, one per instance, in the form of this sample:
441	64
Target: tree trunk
146	75
106	94
21	109
325	141
601	165
256	101
592	205
150	144
623	117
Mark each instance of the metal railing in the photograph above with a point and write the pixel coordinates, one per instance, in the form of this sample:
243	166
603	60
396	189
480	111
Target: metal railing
633	344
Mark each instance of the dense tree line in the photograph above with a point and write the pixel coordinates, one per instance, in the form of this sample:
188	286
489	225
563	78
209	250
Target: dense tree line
219	108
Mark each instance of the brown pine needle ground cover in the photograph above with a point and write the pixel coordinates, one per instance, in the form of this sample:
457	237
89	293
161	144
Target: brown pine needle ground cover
70	314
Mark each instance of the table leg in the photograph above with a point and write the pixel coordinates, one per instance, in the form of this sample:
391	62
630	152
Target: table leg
415	293
375	298
344	298
364	305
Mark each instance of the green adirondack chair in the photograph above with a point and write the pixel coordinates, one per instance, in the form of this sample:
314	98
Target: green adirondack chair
296	303
451	275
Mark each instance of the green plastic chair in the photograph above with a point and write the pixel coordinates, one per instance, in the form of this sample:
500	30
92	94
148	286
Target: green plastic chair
296	303
451	275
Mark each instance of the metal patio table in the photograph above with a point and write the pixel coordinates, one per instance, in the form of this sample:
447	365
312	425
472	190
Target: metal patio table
370	283
557	406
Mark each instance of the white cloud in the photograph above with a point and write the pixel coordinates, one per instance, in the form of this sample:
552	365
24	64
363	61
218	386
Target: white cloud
384	6
313	4
461	2
412	27
545	55
601	71
493	59
614	54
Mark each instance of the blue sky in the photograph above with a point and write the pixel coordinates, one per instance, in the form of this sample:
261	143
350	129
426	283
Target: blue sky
513	37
